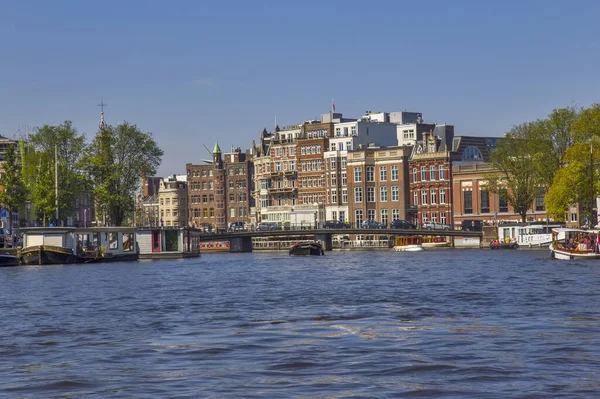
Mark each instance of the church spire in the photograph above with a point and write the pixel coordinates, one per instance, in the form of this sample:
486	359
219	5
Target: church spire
102	123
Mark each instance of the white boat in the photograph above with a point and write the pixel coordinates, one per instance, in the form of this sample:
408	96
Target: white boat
408	244
530	235
569	244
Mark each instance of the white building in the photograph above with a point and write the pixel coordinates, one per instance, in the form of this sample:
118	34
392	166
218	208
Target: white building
373	129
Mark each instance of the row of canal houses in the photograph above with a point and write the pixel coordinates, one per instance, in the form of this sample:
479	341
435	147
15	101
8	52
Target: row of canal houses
382	166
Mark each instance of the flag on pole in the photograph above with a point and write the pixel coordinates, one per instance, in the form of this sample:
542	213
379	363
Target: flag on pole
332	105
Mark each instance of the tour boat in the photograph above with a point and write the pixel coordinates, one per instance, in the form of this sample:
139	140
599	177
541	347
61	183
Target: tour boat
528	235
215	246
307	248
435	242
408	244
7	259
66	245
568	244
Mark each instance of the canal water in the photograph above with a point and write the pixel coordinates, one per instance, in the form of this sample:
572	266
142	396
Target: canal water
446	323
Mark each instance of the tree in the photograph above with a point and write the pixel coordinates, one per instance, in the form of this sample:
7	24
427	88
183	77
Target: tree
40	168
13	193
558	129
519	159
573	182
115	162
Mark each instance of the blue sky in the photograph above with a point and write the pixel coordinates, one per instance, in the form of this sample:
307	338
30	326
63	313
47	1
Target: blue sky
192	72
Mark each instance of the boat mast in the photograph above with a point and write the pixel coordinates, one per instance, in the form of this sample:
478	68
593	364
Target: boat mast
592	224
56	180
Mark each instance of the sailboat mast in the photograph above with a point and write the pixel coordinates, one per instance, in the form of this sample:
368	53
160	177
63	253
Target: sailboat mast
56	180
592	224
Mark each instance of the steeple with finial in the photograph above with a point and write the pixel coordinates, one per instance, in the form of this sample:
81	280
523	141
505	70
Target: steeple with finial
217	160
102	123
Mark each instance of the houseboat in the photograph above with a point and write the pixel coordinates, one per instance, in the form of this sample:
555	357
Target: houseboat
569	244
66	245
408	244
168	242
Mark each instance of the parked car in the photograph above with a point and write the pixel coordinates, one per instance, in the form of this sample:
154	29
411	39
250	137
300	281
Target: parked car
267	226
402	224
372	224
237	226
435	226
335	224
471	225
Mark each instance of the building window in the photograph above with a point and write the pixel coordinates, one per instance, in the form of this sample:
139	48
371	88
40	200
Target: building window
232	212
503	201
539	201
370	194
382	173
485	201
395	214
358	217
573	217
334	197
468	202
344	179
370	173
344	196
423	173
424	197
383	195
394	172
353	130
415	175
415	198
442	196
395	193
371	214
358	194
433	195
332	146
357	175
346	131
441	169
432	173
434	217
338	131
443	217
384	216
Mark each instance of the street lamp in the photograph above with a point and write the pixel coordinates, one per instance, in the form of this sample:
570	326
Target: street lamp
28	205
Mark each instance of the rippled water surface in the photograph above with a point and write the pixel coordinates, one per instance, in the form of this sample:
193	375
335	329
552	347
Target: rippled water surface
447	323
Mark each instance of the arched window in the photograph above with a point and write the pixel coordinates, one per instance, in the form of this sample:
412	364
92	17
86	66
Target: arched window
472	154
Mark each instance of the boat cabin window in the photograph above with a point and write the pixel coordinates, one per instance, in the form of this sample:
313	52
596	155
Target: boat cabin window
88	242
114	241
127	242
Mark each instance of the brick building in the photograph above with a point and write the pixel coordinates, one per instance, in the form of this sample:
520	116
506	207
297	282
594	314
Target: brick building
219	191
431	179
378	184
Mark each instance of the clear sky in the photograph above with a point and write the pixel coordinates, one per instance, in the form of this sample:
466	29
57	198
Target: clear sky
193	72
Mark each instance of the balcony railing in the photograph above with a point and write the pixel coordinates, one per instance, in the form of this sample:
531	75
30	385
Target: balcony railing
282	189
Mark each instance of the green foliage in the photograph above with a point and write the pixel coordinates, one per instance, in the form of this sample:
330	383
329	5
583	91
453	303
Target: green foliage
115	162
13	193
520	158
40	168
557	130
572	183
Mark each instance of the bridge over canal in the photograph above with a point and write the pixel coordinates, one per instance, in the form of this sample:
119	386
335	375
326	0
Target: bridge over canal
241	241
